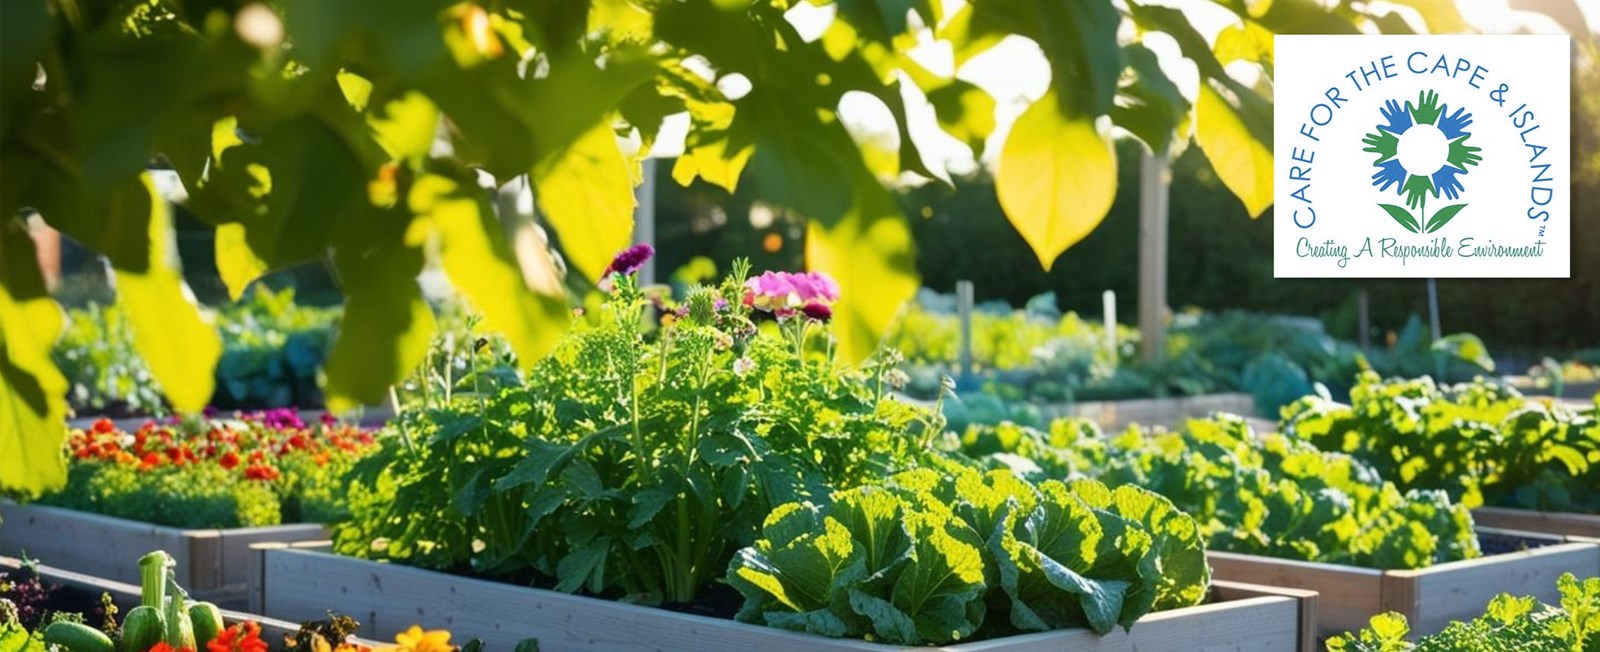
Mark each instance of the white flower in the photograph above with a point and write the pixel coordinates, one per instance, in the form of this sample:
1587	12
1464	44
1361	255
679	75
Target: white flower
743	366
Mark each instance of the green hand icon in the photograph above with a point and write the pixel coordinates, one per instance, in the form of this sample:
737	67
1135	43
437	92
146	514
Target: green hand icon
1383	143
1416	189
1461	154
1427	109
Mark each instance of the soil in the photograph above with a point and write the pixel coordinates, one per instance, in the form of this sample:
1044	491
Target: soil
36	601
1499	543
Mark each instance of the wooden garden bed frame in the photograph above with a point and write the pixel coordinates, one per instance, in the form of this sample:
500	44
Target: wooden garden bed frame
1430	597
298	582
1170	411
1527	520
126	596
211	564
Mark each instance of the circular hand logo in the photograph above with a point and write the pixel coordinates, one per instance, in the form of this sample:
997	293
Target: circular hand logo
1422	150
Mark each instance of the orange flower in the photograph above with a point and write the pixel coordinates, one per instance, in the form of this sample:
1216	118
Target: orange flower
163	647
243	637
416	640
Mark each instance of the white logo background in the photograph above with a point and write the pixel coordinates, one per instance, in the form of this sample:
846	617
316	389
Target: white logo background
1499	190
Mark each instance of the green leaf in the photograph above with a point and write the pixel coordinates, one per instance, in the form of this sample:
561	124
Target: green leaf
1443	217
1247	41
180	348
798	576
1441	16
1044	558
1233	127
1150	106
586	193
483	267
33	426
941	589
869	253
1401	215
14	638
236	263
387	326
965	112
1465	346
1056	179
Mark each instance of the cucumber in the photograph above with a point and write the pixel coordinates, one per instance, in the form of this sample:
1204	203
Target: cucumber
142	629
77	637
207	620
180	629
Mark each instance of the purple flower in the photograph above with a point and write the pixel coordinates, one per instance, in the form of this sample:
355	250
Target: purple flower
818	312
629	260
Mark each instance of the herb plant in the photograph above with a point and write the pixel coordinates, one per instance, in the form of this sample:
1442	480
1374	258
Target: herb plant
1255	494
1509	623
946	553
633	466
1482	442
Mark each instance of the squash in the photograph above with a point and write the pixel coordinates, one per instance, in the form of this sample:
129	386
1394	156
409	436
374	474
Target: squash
77	637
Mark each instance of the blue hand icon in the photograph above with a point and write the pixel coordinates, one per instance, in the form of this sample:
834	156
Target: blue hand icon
1454	125
1399	118
1445	181
1389	173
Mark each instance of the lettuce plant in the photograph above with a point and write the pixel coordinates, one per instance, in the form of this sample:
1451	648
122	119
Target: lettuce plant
1266	495
633	462
1509	623
946	552
1482	442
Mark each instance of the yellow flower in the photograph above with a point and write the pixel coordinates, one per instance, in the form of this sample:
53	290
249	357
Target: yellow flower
416	640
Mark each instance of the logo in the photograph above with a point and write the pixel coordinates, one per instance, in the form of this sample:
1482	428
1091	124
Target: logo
1422	156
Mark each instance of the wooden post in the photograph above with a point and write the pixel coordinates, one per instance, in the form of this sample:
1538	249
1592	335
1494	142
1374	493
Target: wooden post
1154	177
964	316
644	219
1108	303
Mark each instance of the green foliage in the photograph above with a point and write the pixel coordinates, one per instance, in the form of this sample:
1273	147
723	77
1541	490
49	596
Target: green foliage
272	352
1507	623
626	465
1481	441
946	553
1267	495
306	131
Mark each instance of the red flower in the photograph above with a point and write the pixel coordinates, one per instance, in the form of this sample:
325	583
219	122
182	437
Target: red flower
261	472
243	637
103	426
150	461
229	460
163	647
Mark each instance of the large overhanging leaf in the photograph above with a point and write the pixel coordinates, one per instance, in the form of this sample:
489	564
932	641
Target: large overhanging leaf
33	406
1231	126
168	332
586	192
1057	178
387	326
870	253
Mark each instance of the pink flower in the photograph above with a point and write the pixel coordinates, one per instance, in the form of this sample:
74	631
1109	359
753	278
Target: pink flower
782	293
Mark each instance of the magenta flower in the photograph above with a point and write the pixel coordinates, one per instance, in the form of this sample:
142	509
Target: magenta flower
819	312
629	260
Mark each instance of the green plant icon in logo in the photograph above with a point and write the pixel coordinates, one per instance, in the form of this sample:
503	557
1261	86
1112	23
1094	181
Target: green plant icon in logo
1422	149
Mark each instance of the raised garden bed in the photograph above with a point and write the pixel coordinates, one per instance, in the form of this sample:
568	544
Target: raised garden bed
296	582
1527	520
211	563
1114	415
1527	564
88	589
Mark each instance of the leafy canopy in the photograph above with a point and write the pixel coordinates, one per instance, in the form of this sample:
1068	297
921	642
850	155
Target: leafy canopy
306	130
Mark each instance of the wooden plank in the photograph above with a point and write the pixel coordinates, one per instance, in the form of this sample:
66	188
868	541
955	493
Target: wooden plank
1348	595
211	564
1308	600
126	596
298	583
1567	523
1434	596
